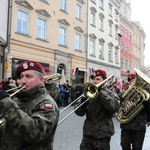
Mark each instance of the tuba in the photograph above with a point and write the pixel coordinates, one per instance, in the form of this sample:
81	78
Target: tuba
133	98
52	78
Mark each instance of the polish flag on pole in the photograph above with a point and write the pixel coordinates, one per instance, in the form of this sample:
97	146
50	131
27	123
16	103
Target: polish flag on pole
73	72
120	85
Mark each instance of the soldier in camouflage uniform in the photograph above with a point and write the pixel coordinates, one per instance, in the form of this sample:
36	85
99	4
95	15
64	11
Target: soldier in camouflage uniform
52	88
31	119
133	132
98	126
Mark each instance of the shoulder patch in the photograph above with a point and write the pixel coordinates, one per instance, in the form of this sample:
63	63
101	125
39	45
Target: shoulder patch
48	106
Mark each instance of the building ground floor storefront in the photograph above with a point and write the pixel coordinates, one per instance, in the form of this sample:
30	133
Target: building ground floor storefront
55	60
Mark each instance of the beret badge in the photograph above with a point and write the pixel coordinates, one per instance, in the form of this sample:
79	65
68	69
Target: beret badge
25	66
94	74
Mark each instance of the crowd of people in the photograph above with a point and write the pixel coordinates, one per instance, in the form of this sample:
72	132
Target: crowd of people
29	119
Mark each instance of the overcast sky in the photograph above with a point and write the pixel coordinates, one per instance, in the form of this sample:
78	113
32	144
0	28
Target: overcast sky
140	12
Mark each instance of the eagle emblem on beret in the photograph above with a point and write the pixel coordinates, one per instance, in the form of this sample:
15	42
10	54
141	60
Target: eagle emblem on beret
25	66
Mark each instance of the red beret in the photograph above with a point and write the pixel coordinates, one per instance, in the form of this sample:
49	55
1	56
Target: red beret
131	76
47	69
29	65
99	72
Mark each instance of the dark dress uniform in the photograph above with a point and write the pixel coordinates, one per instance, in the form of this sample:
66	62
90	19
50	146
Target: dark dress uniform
133	132
31	121
98	126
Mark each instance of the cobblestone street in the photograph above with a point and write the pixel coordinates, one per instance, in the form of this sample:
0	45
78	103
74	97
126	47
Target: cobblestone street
69	133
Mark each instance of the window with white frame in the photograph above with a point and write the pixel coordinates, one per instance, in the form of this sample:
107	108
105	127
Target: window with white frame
63	5
122	31
110	29
122	64
116	14
101	50
92	19
101	22
41	29
77	42
110	54
22	22
92	47
110	10
126	48
116	56
116	33
101	4
62	36
122	46
78	11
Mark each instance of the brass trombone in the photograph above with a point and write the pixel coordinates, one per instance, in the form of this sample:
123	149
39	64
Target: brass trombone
16	89
90	91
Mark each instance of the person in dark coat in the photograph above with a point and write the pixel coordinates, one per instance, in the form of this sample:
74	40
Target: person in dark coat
133	132
98	126
78	90
115	88
30	119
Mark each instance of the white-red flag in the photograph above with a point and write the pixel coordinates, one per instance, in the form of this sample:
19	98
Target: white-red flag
120	85
73	72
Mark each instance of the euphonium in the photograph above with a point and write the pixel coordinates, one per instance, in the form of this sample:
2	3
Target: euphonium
52	78
133	98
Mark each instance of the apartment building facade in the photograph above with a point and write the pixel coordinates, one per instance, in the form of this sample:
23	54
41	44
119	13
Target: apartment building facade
132	42
142	44
3	34
136	47
103	26
50	33
71	35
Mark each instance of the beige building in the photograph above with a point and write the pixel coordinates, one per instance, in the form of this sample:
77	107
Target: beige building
137	60
52	33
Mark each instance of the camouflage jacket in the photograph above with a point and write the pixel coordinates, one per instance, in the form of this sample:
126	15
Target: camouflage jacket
52	90
31	121
99	113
